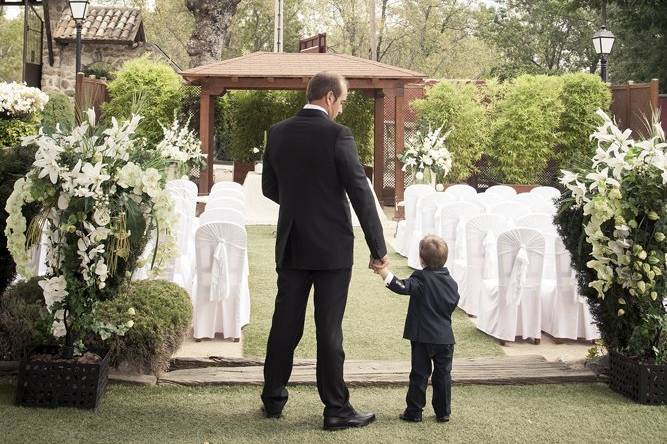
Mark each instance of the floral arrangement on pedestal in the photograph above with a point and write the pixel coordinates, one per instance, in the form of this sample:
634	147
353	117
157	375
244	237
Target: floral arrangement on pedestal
20	106
101	193
426	155
613	219
181	148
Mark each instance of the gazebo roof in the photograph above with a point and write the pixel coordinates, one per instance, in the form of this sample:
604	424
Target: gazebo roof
270	67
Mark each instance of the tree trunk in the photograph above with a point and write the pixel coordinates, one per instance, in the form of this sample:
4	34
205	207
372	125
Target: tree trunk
210	34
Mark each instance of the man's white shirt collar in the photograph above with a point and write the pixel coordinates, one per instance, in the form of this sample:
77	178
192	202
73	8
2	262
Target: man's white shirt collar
311	106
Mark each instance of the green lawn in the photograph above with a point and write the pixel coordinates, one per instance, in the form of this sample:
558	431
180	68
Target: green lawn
373	324
548	413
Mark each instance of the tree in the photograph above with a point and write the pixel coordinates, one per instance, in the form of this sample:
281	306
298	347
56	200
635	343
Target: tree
11	48
540	36
210	34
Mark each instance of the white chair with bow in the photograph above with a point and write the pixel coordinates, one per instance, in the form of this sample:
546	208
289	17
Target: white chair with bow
226	202
224	187
549	193
426	223
512	307
406	227
568	313
461	191
451	219
481	260
222	295
223	215
536	202
501	192
510	210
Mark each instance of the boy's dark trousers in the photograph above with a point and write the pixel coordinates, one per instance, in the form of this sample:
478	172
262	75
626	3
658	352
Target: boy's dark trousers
422	355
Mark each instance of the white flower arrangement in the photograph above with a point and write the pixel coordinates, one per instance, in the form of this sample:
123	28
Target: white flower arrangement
427	152
19	100
101	199
625	213
181	147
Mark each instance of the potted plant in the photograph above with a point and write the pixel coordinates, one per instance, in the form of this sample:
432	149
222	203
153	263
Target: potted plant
20	107
101	193
426	156
613	219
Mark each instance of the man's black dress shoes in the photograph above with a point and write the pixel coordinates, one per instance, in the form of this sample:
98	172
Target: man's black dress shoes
405	417
356	420
268	414
442	418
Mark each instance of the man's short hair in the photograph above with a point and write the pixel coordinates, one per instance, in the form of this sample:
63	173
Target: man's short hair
323	82
433	251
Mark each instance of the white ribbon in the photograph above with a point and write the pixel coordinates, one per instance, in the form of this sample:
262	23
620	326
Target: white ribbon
460	236
517	280
220	271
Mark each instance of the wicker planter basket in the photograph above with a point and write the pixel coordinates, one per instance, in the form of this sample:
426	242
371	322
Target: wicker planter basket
643	383
57	384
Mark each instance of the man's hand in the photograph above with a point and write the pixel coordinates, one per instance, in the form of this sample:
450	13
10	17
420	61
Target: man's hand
378	264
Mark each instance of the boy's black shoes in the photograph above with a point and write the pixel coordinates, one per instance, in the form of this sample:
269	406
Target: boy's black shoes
340	423
442	419
409	418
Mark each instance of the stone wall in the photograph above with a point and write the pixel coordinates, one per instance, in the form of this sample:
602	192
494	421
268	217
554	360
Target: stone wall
61	76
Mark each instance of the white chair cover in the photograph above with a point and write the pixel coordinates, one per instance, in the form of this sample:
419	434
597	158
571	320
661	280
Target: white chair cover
426	223
461	191
188	185
536	202
510	210
222	187
550	193
224	193
511	306
411	197
568	314
487	201
226	202
223	215
451	219
481	234
543	223
501	192
222	296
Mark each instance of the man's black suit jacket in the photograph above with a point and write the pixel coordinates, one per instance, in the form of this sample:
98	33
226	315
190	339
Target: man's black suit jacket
310	162
433	298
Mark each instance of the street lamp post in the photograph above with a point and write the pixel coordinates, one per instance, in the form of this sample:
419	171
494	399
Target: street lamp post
603	41
78	9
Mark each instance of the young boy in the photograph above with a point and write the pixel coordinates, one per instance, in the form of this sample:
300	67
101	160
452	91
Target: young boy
428	325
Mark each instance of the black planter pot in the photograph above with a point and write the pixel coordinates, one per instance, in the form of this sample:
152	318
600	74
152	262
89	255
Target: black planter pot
58	384
643	383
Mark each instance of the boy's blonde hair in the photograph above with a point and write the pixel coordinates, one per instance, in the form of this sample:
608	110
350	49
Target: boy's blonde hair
433	251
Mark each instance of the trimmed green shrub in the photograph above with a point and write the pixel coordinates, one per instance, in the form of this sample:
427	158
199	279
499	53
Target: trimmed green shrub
246	115
459	109
13	129
15	162
149	88
58	110
525	128
581	95
163	317
24	320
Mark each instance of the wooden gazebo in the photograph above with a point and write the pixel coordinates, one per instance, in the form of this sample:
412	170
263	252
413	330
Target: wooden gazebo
292	71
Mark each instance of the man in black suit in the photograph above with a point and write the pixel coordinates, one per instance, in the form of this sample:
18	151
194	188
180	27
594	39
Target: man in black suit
310	164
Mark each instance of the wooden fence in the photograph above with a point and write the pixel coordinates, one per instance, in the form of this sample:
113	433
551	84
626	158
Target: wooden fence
633	104
90	92
662	101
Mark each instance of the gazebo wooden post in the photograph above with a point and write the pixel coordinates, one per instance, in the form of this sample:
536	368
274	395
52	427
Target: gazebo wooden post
206	131
399	143
378	144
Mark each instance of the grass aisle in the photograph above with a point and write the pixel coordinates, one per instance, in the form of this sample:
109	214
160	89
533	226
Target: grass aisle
374	318
548	413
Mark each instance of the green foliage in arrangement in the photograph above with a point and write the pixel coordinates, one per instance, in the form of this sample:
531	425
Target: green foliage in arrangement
14	163
163	316
581	95
147	87
58	110
525	128
246	115
457	108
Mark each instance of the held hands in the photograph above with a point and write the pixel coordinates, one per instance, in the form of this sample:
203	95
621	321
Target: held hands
377	265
